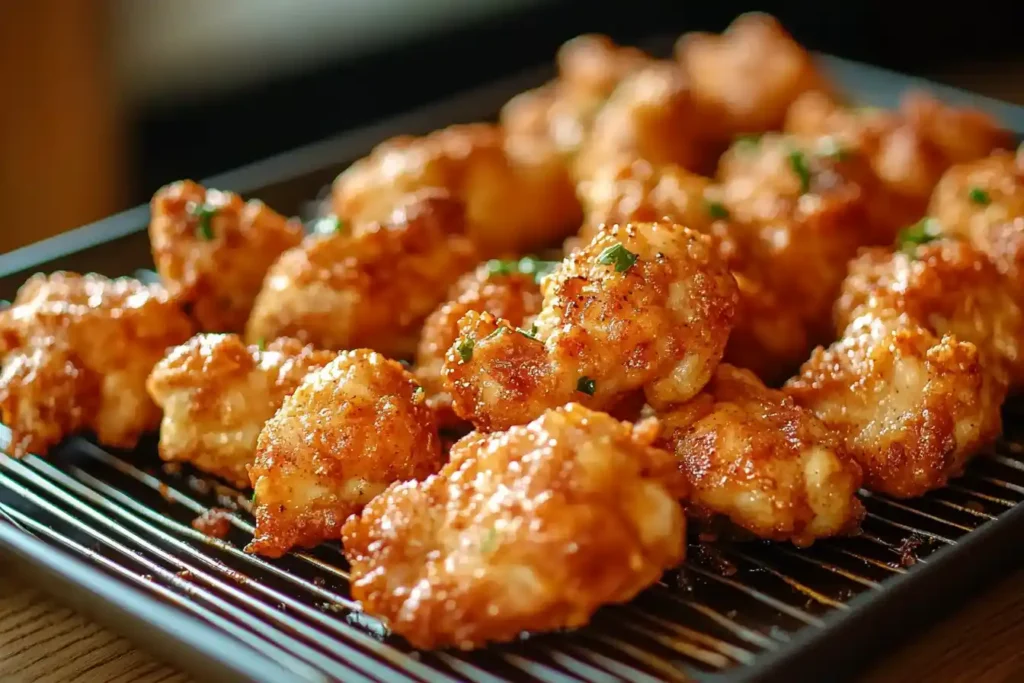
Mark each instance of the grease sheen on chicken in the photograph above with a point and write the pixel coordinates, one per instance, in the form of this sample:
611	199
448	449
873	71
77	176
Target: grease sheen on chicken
751	454
217	394
76	351
212	250
532	529
644	306
351	428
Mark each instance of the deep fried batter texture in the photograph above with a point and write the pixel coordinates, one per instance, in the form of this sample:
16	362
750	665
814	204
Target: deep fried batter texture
504	292
527	530
644	305
983	201
517	194
212	250
752	455
217	393
747	77
912	408
370	288
76	352
350	429
947	286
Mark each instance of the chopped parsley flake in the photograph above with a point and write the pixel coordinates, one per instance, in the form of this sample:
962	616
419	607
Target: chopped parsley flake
489	541
204	214
528	265
831	148
499	267
328	225
717	210
979	196
465	348
261	344
498	331
922	232
531	333
617	255
747	142
798	162
587	386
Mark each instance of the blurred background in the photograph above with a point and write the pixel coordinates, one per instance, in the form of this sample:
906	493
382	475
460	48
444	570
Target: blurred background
106	100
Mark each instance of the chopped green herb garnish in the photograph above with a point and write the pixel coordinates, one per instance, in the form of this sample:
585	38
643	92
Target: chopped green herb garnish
465	348
4	303
748	141
261	344
498	331
922	232
828	146
717	210
979	196
204	213
328	225
499	267
617	255
798	162
539	269
531	333
489	542
586	386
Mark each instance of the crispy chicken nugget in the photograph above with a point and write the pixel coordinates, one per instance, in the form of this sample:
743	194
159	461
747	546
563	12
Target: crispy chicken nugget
76	352
371	287
217	393
212	250
351	428
531	529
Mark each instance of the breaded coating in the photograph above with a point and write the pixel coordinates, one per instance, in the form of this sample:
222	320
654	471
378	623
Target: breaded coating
751	454
562	111
946	286
644	305
351	429
912	408
76	351
217	393
650	116
212	250
747	77
983	201
516	193
369	288
532	529
509	290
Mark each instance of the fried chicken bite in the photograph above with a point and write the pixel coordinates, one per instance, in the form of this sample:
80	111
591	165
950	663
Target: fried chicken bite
352	428
216	394
746	78
509	290
983	201
532	529
212	250
946	286
516	192
644	306
752	455
76	351
371	287
911	407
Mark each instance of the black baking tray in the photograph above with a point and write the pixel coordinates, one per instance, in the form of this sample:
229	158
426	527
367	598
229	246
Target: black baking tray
109	531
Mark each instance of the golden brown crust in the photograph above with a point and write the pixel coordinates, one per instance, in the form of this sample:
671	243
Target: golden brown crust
516	194
76	352
215	266
607	328
351	428
217	393
371	287
911	407
772	468
527	530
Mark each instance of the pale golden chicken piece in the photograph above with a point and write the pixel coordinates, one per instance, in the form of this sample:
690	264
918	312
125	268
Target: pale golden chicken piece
371	288
76	351
217	393
212	250
961	134
746	78
562	111
772	468
911	407
351	429
516	193
651	116
946	286
983	202
532	529
509	290
644	306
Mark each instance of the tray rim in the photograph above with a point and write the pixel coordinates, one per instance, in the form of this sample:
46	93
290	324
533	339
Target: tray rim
205	652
